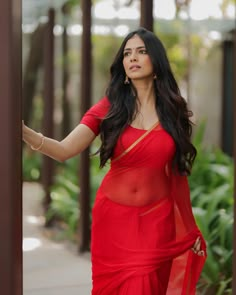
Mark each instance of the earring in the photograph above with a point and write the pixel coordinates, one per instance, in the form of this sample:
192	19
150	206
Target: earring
154	77
126	80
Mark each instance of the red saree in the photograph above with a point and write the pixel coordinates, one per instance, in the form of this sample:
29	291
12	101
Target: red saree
142	222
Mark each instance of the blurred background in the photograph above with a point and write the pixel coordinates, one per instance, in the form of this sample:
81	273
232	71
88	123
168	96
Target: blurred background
66	71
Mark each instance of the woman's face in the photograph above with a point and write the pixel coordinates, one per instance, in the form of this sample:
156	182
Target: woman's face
136	61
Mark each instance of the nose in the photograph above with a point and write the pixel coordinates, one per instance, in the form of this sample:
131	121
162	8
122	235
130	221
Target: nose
133	56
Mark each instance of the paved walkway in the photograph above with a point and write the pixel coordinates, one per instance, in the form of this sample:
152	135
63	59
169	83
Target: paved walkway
49	268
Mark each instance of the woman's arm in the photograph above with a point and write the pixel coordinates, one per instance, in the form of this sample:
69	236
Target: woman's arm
77	141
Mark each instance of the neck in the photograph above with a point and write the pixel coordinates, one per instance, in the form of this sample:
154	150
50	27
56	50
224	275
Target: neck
145	91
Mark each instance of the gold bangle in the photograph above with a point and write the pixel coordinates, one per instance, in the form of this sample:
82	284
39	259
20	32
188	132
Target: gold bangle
41	144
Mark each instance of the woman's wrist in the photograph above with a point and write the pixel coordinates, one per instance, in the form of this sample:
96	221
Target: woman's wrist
34	139
38	147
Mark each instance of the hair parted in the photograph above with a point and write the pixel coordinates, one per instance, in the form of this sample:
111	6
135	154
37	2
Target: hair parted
171	107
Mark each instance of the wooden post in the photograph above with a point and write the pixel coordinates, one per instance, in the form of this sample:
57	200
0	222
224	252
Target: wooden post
10	148
227	96
48	122
234	149
66	126
32	67
85	96
146	19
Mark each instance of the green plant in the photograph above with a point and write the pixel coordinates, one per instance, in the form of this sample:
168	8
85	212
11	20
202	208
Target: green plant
64	198
211	185
31	165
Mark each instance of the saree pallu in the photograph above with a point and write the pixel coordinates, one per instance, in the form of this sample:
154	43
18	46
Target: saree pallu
134	251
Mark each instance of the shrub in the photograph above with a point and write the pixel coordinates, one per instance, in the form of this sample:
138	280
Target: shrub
31	165
211	185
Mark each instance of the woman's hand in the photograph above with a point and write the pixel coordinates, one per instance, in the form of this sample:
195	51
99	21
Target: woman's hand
23	128
197	247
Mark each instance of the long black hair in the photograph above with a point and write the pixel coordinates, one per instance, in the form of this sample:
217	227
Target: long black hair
171	107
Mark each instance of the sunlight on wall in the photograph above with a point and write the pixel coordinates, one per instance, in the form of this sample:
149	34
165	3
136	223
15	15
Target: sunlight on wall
214	35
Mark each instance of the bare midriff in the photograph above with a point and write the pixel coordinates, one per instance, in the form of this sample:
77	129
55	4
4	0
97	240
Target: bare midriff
135	187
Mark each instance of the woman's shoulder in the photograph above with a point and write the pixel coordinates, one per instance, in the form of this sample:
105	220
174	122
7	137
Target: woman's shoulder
101	107
93	117
104	102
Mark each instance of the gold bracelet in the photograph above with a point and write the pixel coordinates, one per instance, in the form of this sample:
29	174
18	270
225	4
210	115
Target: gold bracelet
41	144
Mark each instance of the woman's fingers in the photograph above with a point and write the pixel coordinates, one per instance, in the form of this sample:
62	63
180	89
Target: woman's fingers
197	244
201	253
197	247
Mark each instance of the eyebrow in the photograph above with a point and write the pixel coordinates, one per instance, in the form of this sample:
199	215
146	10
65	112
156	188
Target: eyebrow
139	47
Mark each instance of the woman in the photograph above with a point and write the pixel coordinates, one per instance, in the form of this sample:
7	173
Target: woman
144	237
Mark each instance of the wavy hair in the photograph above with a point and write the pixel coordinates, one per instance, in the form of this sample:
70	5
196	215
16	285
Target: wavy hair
171	107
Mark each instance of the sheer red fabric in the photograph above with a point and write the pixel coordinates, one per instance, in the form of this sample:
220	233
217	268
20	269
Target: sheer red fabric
143	227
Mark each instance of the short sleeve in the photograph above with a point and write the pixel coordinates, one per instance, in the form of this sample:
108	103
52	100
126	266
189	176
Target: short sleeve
93	117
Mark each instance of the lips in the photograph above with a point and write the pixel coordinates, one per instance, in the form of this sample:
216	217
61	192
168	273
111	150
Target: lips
134	67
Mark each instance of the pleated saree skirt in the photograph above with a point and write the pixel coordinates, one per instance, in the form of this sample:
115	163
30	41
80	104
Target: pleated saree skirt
135	251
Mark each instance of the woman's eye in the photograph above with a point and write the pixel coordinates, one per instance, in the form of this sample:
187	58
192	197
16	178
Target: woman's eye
127	53
143	51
